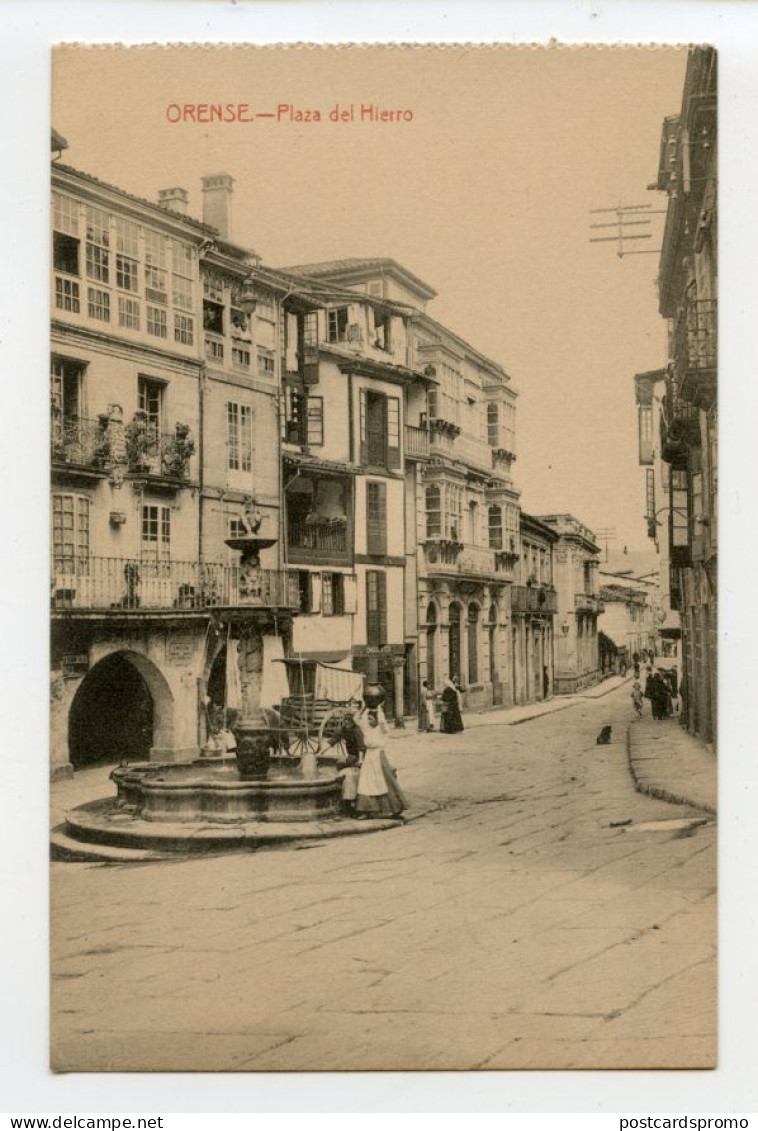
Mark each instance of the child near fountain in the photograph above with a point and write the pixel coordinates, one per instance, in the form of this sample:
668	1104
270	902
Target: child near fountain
352	740
349	775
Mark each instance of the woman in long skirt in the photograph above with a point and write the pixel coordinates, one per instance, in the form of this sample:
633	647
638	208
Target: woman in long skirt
451	722
379	794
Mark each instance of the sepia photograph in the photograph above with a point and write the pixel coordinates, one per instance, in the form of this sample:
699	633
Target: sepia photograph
383	558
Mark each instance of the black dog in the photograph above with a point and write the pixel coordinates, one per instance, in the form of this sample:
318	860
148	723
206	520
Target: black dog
604	737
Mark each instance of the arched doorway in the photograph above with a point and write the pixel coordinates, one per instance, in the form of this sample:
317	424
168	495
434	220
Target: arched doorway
431	646
454	646
473	643
122	709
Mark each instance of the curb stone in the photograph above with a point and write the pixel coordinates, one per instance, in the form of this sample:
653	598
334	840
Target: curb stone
659	792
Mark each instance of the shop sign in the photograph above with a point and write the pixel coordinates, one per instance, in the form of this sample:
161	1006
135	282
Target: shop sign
179	649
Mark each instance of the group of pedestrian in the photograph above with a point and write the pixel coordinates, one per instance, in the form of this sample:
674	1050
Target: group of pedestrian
661	688
450	720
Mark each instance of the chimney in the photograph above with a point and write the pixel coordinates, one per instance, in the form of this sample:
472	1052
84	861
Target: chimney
177	199
217	203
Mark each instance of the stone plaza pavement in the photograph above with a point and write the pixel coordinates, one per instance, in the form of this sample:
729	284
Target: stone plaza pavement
543	913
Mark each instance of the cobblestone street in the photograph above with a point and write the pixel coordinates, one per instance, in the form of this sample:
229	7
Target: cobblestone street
542	914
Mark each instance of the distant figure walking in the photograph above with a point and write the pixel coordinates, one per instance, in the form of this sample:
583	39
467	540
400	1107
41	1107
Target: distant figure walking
452	723
637	698
545	683
658	694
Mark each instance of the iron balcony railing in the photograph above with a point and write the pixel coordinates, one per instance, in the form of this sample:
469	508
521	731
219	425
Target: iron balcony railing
322	536
163	454
132	584
695	337
416	441
679	424
79	442
534	599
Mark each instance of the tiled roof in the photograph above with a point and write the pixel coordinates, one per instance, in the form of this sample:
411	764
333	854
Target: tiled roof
344	266
137	199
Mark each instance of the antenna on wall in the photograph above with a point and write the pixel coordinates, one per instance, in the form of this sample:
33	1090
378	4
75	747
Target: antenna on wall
606	534
629	217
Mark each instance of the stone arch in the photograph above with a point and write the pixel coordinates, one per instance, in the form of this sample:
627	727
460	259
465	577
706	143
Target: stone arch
122	709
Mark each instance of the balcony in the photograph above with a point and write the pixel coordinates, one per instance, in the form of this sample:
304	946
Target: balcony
474	451
502	445
534	600
588	603
158	455
318	539
442	436
81	445
130	585
416	442
680	426
695	351
448	558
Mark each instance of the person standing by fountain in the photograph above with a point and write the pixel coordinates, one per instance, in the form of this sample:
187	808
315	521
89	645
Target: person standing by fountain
379	794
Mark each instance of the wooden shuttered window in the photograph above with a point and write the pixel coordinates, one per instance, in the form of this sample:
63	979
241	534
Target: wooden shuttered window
376	608
393	432
363	446
379	420
376	518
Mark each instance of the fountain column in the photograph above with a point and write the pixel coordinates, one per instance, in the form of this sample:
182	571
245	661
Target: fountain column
251	731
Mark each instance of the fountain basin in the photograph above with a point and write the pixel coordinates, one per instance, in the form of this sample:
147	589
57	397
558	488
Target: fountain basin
197	791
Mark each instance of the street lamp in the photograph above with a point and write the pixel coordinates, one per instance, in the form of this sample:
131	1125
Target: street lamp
668	510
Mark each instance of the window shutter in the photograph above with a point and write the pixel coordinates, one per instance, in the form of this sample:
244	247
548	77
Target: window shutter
393	432
381	593
363	428
376	518
315	582
350	589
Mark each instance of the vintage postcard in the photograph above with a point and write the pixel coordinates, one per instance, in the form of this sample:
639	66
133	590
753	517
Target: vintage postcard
383	438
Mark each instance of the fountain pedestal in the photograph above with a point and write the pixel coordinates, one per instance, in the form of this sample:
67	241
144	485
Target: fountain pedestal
251	730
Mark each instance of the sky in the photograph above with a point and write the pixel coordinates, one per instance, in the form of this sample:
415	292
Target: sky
485	194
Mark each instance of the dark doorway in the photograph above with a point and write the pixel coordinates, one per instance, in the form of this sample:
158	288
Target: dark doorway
454	665
112	715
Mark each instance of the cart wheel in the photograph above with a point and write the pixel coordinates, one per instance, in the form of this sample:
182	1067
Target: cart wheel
328	743
302	744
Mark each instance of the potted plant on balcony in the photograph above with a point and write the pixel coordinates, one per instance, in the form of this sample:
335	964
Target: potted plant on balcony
179	452
141	443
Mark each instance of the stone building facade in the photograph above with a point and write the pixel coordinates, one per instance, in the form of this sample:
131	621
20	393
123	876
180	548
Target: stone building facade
688	275
575	574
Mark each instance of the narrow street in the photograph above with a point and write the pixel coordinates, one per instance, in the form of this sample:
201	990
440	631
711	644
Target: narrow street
512	926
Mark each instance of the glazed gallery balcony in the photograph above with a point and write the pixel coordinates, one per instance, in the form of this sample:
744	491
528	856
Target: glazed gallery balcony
132	585
695	351
533	600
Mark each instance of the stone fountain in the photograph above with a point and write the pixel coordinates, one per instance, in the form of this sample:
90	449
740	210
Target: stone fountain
210	803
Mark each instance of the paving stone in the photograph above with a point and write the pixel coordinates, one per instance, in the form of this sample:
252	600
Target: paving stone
512	928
